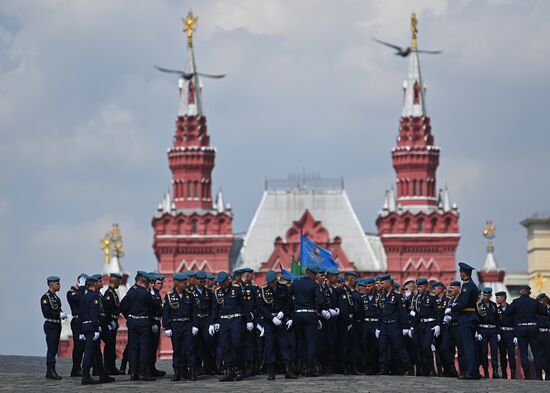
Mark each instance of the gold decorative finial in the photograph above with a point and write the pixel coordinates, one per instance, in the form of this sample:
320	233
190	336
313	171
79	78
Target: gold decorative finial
414	29
538	282
489	234
189	23
112	241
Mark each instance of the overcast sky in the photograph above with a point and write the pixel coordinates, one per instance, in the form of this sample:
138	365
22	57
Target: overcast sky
85	120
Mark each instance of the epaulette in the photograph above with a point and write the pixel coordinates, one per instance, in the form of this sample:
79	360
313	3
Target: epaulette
237	285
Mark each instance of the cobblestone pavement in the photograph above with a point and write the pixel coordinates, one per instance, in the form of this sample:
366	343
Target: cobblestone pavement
26	373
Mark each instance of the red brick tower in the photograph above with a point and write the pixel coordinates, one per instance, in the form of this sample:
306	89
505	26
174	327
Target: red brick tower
419	227
191	232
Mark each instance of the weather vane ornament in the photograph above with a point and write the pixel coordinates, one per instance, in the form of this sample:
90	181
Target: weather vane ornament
112	243
489	234
189	23
414	29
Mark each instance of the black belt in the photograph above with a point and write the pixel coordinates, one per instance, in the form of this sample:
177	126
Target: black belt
203	315
487	326
180	319
391	321
231	316
138	316
53	320
86	322
75	316
507	329
527	324
426	320
370	319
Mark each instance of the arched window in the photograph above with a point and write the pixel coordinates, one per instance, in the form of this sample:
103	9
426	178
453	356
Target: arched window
421	187
195	189
194	226
420	227
189	188
414	187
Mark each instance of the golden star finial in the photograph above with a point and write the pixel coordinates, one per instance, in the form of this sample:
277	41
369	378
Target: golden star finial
414	29
189	23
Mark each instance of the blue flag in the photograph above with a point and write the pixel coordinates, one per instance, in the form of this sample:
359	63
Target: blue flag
312	254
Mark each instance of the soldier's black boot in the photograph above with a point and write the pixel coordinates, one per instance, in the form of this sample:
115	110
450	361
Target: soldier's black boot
354	370
270	372
495	374
539	374
247	370
238	374
106	378
123	367
184	372
503	373
513	373
76	372
87	379
54	371
219	368
485	372
146	374
288	371
312	372
526	374
50	373
229	375
547	372
177	375
193	373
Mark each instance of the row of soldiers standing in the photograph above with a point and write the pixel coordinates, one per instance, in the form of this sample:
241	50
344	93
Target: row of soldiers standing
322	323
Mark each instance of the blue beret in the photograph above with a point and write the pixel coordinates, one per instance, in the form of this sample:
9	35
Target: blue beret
378	278
287	276
270	276
247	270
421	281
322	270
455	284
201	275
396	285
179	276
191	273
116	275
98	277
385	277
91	278
210	276
333	271
237	272
525	287
141	273
437	284
341	279
84	276
500	293
160	277
541	296
312	268
465	267
361	282
53	279
369	280
221	277
488	290
351	273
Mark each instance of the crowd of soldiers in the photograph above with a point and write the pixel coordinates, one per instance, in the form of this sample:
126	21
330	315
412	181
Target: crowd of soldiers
321	323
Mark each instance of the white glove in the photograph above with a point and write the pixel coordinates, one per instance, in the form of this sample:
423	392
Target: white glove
432	347
194	331
261	328
211	330
350	326
498	337
155	329
216	327
377	333
447	318
288	324
479	337
437	330
337	311
62	315
280	315
515	341
411	331
96	336
81	281
109	327
81	337
319	325
249	326
325	314
100	329
406	332
447	310
332	312
276	321
113	325
412	313
168	333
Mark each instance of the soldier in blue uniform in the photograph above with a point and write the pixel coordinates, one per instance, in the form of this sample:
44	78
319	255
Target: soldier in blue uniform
73	297
344	327
250	295
465	308
393	325
308	304
125	353
138	305
450	337
427	326
179	319
111	304
286	279
204	301
328	347
488	332
156	285
51	310
506	343
230	315
104	330
369	312
544	334
526	311
438	291
274	308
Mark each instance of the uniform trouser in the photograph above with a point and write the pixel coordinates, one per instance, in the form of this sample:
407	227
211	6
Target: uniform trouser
53	332
306	335
153	347
92	354
370	345
447	349
489	337
466	331
183	345
109	355
275	336
231	338
506	347
78	345
544	344
391	345
455	333
204	342
139	337
250	345
328	344
291	339
528	336
424	338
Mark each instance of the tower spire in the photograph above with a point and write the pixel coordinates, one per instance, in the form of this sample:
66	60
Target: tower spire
414	30
190	86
